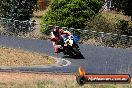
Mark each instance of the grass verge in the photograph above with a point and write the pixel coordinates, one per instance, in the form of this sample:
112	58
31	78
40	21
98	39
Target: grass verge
17	57
30	80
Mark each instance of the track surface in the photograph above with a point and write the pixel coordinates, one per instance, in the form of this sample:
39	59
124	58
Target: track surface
97	59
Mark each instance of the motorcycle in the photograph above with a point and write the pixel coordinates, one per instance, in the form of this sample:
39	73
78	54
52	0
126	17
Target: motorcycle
70	46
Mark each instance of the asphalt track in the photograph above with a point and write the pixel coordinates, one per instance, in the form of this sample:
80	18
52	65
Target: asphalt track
100	60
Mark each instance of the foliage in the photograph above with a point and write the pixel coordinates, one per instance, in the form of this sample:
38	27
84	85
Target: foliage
101	24
17	9
125	27
123	5
71	13
110	22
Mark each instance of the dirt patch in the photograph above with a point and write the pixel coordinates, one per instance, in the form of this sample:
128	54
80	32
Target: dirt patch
13	57
37	16
19	77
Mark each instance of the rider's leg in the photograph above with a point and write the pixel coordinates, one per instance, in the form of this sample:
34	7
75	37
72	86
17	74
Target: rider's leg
56	47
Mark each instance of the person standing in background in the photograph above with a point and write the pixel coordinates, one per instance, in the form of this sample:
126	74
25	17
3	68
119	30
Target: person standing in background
107	5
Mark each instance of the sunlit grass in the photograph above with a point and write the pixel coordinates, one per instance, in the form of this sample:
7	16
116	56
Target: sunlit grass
17	57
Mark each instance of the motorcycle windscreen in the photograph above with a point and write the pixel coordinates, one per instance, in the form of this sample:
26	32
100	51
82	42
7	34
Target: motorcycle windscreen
76	38
64	37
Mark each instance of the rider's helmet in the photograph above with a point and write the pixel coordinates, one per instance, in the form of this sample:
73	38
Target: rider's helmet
56	31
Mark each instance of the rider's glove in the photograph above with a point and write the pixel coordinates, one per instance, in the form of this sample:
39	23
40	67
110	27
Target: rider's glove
59	46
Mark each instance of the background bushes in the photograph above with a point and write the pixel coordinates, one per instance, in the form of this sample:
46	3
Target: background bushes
17	9
123	5
101	24
71	13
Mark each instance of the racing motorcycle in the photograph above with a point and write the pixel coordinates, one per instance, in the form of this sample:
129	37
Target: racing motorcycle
70	46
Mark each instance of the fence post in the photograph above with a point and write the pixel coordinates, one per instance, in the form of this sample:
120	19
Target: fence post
51	27
123	40
101	38
72	30
114	40
130	41
3	22
10	24
44	25
64	28
107	39
86	34
78	32
94	34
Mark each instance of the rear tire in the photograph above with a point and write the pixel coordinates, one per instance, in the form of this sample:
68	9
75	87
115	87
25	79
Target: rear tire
77	53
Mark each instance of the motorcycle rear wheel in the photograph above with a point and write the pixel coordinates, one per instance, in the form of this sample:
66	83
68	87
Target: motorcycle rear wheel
77	53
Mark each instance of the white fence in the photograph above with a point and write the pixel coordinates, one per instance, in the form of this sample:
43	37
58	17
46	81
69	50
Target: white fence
16	26
101	38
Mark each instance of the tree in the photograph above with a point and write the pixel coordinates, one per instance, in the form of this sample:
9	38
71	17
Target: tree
71	13
123	5
128	10
17	9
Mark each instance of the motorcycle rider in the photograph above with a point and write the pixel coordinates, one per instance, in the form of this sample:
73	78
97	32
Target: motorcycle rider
56	38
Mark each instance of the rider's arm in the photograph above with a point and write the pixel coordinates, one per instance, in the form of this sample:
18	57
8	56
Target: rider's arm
52	36
53	43
65	32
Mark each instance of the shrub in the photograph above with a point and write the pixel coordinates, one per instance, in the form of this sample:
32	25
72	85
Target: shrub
125	27
71	13
110	22
123	5
17	9
101	24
